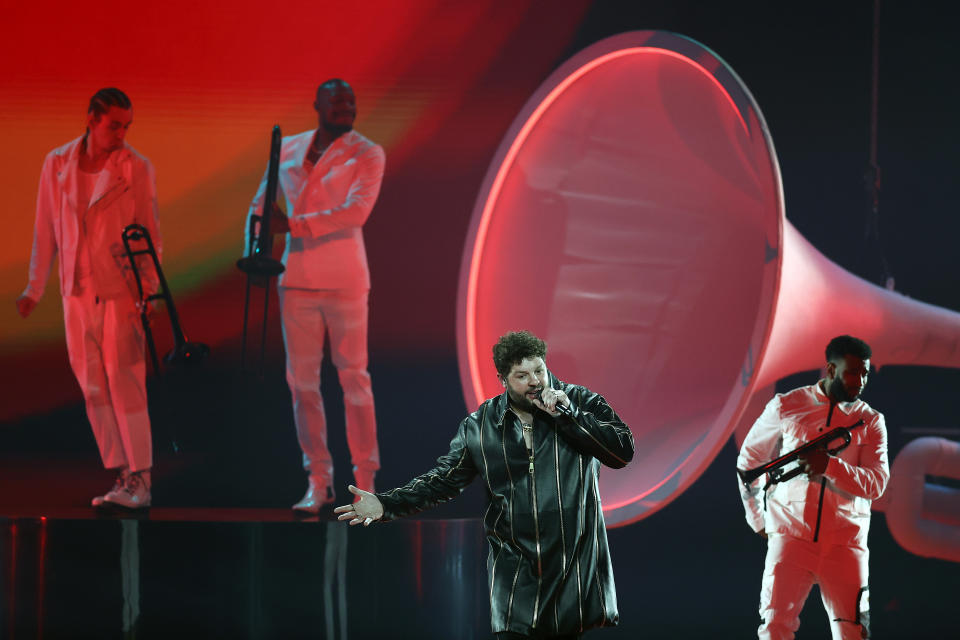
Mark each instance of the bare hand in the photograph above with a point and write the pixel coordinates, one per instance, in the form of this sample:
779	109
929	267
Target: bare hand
25	305
763	534
279	222
366	510
549	400
814	462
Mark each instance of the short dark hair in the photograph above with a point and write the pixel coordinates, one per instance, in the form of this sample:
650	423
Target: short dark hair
513	347
102	100
848	345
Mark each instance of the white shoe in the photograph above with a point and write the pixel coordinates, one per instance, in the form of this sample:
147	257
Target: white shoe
117	485
318	494
134	494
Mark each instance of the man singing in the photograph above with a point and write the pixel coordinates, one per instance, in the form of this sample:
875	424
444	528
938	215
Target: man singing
90	189
329	178
538	448
816	524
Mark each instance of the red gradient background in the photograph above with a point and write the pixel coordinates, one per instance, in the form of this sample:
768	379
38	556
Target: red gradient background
437	84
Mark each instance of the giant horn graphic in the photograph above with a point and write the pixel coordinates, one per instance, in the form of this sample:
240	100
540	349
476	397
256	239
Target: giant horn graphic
633	217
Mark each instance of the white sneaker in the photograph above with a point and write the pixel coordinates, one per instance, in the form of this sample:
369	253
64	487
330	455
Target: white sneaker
318	494
117	485
134	494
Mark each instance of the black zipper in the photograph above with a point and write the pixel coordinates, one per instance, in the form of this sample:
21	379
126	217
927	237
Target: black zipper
536	527
823	484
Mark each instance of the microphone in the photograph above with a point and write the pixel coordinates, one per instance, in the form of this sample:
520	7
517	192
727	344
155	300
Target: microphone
559	408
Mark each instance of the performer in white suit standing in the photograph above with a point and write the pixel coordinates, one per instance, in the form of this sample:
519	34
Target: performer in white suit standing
816	524
90	189
329	179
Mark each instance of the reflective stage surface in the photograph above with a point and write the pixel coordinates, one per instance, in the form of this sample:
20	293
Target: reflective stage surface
692	571
167	574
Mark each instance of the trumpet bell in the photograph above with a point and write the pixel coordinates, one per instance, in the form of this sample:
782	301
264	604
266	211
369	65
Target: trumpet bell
633	217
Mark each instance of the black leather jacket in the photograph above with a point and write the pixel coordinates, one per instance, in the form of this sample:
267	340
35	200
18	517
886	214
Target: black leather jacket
549	565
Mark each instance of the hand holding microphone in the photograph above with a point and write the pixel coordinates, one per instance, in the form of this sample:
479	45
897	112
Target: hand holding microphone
554	402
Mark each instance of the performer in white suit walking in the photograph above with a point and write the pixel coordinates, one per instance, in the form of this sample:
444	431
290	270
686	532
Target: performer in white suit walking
90	189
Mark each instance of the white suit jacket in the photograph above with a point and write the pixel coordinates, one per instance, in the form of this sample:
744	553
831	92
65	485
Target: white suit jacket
854	477
125	193
327	208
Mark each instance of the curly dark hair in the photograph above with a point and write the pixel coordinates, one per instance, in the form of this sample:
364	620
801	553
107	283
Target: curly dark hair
848	345
512	348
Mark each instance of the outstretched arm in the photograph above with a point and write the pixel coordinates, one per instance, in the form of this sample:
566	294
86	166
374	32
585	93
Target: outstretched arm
454	471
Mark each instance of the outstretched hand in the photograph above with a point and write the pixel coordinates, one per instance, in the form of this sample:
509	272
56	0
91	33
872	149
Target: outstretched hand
365	510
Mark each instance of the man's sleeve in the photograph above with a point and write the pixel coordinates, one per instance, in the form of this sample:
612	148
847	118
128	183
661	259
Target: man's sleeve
44	240
356	207
148	214
869	478
454	471
596	430
760	446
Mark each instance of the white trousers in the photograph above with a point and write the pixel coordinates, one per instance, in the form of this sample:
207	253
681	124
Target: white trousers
793	566
105	345
307	315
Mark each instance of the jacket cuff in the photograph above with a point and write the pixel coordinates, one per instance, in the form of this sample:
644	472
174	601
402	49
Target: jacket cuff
834	467
34	293
298	227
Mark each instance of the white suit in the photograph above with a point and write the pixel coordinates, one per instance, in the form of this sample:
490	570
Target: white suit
325	287
816	527
104	335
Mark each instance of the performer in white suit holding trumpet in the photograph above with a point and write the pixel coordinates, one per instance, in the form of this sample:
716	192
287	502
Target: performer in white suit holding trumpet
816	524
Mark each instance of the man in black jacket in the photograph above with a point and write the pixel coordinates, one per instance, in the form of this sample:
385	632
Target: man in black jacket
538	448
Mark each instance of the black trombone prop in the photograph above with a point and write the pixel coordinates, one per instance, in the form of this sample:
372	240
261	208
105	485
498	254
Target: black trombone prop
183	352
259	264
775	467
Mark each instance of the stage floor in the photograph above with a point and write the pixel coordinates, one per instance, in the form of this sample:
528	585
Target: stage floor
69	571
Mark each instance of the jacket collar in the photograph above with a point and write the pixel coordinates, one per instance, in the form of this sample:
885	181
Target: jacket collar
347	139
501	404
846	407
111	177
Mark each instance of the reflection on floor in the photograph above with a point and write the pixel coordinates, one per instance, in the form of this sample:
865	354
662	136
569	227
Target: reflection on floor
240	574
263	573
